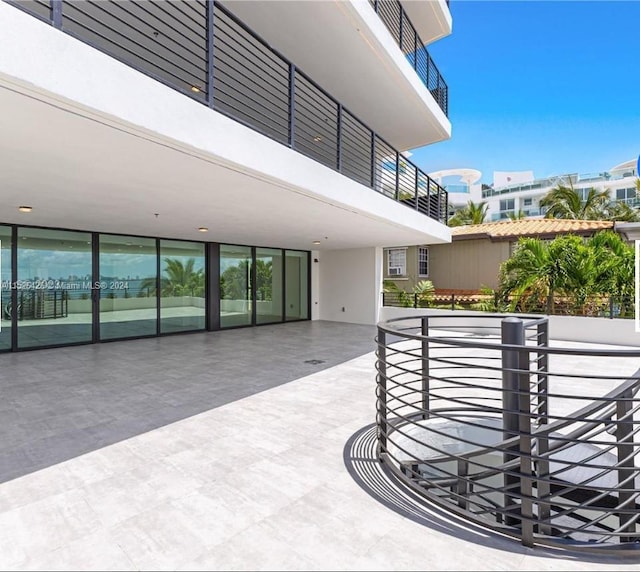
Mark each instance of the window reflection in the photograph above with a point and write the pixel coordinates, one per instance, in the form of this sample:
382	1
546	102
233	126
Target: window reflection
53	288
235	286
128	286
182	286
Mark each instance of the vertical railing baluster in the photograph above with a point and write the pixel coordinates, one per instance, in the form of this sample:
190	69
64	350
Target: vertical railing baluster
424	331
397	191
339	139
416	190
625	465
382	390
56	14
292	106
210	52
373	160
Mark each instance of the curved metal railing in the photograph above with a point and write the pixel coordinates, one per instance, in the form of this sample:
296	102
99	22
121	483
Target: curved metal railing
480	415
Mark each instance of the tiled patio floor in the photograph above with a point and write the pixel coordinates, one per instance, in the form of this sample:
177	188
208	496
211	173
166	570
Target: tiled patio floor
214	451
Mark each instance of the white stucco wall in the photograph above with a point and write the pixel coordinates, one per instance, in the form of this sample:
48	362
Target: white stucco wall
350	282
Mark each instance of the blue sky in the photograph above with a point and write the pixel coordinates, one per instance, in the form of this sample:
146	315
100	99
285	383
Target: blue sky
552	87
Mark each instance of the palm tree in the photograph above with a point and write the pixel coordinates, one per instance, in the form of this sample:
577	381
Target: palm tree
471	213
566	202
517	216
621	211
179	280
538	270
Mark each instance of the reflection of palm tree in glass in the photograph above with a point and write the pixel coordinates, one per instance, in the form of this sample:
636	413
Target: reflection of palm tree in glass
178	280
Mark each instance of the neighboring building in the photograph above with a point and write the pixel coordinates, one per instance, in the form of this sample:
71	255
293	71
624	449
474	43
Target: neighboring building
191	165
513	192
473	258
524	193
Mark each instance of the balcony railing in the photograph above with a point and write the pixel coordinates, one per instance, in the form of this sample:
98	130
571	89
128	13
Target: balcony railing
482	417
396	20
202	50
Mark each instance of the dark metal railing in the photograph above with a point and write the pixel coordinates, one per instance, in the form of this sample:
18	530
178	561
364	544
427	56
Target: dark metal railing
40	305
479	415
596	306
201	49
398	23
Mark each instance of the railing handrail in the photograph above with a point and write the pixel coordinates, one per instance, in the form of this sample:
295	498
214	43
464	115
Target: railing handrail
387	327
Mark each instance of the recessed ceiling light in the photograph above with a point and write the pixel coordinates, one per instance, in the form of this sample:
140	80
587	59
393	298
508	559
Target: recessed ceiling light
203	229
316	242
195	89
25	209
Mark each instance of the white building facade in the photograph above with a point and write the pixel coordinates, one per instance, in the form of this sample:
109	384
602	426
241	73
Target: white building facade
196	165
524	193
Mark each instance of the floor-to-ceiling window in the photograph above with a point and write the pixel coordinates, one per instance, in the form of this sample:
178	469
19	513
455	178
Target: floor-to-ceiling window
5	291
269	290
76	287
296	285
235	286
128	286
53	287
182	286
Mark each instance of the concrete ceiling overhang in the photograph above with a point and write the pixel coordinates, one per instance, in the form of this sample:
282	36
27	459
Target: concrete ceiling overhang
430	18
79	172
346	49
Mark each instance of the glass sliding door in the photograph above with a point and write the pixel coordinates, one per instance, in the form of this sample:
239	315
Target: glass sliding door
235	286
296	285
5	292
54	287
128	286
269	290
182	286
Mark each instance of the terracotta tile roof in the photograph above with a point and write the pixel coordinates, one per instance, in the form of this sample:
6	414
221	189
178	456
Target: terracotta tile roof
529	227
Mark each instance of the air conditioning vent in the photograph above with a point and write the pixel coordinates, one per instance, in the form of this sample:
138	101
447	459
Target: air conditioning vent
395	271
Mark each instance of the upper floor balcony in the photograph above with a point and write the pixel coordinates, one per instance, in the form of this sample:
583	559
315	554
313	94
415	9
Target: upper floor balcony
395	18
203	51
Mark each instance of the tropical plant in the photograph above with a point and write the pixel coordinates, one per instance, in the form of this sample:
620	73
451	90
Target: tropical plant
179	279
583	274
537	270
491	301
264	279
471	213
621	211
567	203
421	294
517	216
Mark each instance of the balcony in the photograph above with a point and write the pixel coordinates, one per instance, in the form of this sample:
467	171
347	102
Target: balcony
203	51
404	33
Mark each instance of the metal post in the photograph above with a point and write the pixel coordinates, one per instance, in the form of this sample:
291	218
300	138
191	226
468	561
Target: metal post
292	106
397	193
339	140
453	301
525	450
512	329
416	190
626	467
610	307
425	366
382	391
56	14
210	51
373	160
